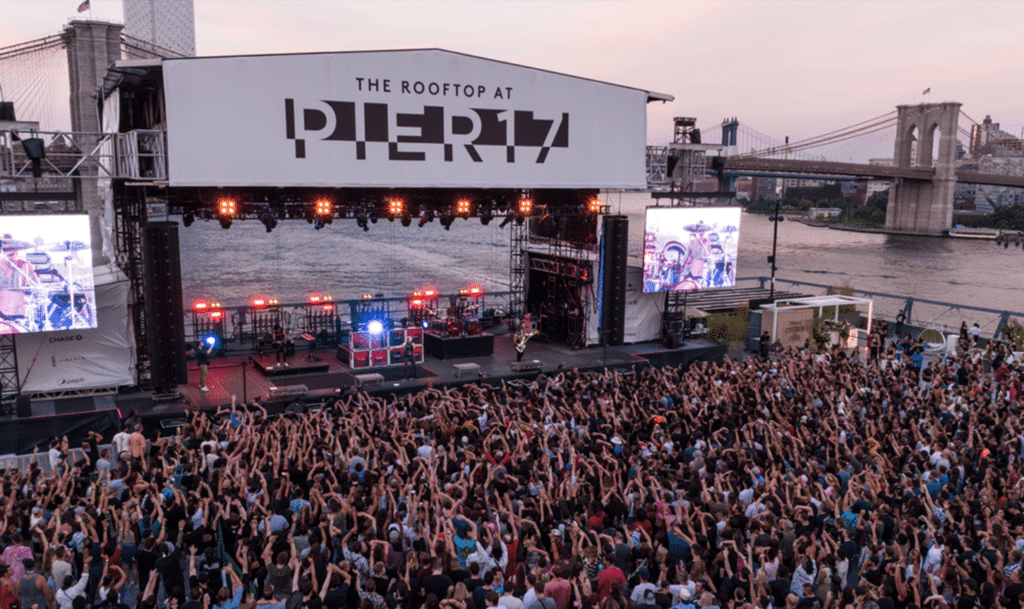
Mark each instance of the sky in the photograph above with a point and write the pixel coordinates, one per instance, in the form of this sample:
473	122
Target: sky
782	68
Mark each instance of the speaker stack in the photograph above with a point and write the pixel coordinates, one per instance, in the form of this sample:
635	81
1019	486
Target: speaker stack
614	245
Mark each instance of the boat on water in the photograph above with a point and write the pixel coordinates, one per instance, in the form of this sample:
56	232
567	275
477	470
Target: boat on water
974	233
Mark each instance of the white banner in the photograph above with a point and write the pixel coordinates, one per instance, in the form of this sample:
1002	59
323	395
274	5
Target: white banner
427	118
83	359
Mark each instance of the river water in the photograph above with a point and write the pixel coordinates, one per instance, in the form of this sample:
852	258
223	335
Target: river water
344	261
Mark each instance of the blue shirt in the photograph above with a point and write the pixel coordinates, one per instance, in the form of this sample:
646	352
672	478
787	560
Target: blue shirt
233	602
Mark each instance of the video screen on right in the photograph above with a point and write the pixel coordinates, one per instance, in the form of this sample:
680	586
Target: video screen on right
690	248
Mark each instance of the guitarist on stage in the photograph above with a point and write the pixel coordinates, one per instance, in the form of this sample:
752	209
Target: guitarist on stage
520	338
280	344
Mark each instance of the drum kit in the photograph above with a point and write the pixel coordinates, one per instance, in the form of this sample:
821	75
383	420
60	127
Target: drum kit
37	297
462	320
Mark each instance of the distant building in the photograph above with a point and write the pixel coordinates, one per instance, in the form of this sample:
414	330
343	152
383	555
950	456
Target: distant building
823	213
765	189
166	25
988	139
874	186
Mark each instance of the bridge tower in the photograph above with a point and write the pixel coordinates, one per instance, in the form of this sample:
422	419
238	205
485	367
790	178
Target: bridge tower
924	206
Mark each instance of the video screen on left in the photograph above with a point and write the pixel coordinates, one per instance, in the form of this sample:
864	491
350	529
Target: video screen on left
46	281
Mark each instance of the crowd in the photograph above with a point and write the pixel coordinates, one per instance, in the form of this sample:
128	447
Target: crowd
878	481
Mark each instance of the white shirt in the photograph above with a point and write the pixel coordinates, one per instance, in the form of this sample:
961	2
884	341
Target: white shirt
638	593
121	442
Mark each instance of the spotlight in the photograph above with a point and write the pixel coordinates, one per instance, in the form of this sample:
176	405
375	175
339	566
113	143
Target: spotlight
188	219
259	302
594	206
200	306
211	340
525	207
395	207
446	221
227	208
426	325
463	207
225	223
323	208
486	215
406	220
375	327
475	291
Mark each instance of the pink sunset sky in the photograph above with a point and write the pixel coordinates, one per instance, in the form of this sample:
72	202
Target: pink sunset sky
783	68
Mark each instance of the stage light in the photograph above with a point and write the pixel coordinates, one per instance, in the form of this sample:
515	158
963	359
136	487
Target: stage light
463	207
227	208
225	223
211	340
367	296
328	307
217	315
594	206
200	306
188	219
446	221
396	207
429	293
406	220
319	223
476	291
323	208
486	215
259	302
375	327
525	207
426	324
314	299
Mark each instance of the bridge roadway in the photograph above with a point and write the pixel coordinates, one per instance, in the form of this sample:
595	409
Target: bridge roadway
764	166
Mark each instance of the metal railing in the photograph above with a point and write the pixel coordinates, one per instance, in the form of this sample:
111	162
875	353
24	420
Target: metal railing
137	155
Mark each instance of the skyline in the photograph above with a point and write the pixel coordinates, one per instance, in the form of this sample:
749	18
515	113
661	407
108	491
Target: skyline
783	68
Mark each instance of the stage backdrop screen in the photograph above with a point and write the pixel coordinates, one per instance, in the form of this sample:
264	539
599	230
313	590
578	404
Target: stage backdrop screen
690	248
417	118
46	281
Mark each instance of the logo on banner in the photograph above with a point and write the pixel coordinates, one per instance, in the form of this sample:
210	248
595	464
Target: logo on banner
410	135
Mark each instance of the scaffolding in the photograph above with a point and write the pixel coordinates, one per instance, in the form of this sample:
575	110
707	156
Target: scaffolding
130	220
10	382
519	239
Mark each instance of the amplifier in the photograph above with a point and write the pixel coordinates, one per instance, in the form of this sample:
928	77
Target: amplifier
288	391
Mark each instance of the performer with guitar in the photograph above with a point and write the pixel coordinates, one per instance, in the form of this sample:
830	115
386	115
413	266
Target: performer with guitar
280	343
523	335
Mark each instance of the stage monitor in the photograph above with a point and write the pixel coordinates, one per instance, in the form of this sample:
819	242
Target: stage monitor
690	248
46	281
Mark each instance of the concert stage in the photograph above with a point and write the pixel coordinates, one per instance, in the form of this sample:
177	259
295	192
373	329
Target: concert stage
458	347
235	376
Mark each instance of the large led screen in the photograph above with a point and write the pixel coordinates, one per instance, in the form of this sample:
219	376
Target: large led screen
690	248
46	281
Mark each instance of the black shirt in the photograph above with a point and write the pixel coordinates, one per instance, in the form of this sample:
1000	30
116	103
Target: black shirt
436	584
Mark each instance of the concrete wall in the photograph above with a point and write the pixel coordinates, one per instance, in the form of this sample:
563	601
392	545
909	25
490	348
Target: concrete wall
169	24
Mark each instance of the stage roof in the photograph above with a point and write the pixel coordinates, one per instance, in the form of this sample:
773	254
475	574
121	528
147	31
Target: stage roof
417	118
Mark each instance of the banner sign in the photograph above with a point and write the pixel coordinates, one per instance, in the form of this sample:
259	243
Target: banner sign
426	118
82	359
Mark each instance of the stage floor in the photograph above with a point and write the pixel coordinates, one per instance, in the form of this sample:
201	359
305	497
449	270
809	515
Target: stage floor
236	377
226	379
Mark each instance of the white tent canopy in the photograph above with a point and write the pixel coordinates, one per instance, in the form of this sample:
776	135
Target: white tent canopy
814	302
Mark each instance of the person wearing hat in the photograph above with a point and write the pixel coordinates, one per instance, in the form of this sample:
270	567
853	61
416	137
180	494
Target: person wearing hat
640	590
685	600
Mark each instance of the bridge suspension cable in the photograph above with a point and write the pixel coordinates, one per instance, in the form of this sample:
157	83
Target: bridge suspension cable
867	127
